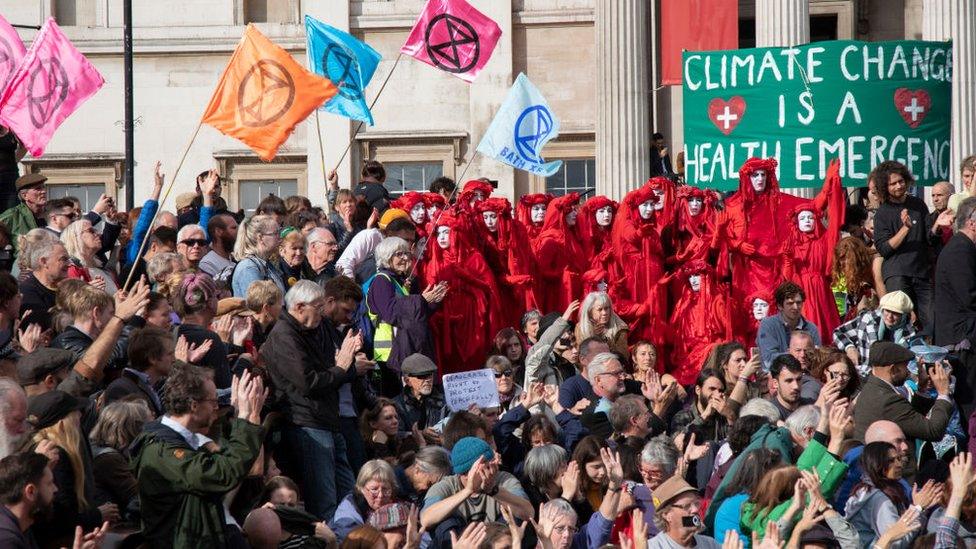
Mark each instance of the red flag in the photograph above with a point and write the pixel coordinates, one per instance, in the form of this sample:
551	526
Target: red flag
695	25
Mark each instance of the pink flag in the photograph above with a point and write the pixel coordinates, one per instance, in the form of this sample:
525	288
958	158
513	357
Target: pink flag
12	52
52	82
453	36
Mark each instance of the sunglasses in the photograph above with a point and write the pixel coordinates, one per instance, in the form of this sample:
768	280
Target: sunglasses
191	242
506	373
567	341
421	376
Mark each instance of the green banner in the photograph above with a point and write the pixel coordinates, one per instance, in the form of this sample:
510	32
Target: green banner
864	102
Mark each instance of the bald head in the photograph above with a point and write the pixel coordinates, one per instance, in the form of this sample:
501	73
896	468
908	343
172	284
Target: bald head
941	192
887	431
167	219
263	529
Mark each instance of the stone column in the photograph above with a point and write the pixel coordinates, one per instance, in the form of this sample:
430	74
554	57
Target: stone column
781	23
623	133
956	20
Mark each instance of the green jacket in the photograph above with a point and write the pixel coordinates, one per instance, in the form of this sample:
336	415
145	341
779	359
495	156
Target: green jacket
180	489
815	456
19	220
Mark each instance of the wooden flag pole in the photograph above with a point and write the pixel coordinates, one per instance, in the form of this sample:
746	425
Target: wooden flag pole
142	245
325	174
358	127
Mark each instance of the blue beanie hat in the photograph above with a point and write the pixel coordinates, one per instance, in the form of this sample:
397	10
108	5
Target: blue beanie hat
466	451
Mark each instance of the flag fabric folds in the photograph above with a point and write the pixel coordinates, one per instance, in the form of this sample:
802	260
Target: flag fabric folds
53	80
521	127
346	62
12	52
695	25
454	37
263	94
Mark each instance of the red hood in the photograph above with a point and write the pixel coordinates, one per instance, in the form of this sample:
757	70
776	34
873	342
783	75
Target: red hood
556	213
434	199
763	295
751	165
470	188
461	241
408	200
523	211
586	224
692	224
503	208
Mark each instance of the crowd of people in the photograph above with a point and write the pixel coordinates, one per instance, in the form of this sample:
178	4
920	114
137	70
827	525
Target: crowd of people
684	368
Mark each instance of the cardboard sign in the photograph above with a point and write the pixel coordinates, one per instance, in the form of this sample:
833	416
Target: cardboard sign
862	102
466	388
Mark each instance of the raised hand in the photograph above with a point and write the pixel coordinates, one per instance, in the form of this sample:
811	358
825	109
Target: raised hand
30	338
569	482
571	310
611	463
182	351
158	179
135	301
517	532
940	379
197	352
251	395
929	495
472	537
414	530
91	540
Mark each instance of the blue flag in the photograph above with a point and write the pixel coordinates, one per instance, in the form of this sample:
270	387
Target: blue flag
522	126
347	62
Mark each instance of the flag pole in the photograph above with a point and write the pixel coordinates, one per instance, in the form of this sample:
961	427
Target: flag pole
142	245
325	174
355	133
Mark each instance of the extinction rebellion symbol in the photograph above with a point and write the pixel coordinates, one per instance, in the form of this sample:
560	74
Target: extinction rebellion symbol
47	89
266	93
341	69
531	130
456	48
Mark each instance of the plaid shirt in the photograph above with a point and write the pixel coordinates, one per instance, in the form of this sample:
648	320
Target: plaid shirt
862	331
946	532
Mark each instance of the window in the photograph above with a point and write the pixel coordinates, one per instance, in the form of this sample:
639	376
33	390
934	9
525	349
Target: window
270	11
75	13
253	191
86	193
576	175
411	176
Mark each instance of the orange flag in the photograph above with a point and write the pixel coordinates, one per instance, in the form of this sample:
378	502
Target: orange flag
263	94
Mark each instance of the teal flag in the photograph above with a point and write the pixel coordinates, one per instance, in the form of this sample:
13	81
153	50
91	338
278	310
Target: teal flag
862	102
347	62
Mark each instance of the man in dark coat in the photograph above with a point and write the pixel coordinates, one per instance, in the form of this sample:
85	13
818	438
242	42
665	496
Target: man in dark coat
955	301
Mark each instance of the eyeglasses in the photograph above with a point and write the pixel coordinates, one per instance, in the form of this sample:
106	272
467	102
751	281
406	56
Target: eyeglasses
380	491
506	373
618	373
563	530
402	254
191	242
71	216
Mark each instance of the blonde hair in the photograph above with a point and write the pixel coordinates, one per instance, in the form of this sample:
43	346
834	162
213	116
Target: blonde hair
85	299
377	469
585	328
66	434
261	293
71	238
249	235
61	318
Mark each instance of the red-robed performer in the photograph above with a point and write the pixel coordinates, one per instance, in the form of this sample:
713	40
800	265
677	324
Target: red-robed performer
467	320
758	305
474	191
531	212
560	263
435	204
700	319
595	221
415	205
638	268
665	210
694	232
755	226
509	256
808	253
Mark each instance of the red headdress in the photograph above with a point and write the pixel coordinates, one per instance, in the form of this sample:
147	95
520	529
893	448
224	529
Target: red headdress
523	211
763	295
593	237
753	165
503	208
665	217
471	188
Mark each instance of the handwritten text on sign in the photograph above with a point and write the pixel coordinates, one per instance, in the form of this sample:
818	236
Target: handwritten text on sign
467	388
858	101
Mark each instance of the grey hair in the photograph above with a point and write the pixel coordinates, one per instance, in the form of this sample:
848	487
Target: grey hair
802	419
660	450
762	408
43	250
387	248
317	235
26	243
160	265
185	230
304	291
498	362
561	506
585	327
542	464
624	408
600	363
8	386
433	460
379	470
965	211
119	423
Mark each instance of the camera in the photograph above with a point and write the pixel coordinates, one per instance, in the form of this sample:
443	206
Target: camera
691	521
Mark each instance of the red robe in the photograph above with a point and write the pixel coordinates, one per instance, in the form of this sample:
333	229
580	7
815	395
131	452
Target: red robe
808	257
523	213
406	202
463	325
699	321
509	256
469	194
596	242
559	258
762	221
694	236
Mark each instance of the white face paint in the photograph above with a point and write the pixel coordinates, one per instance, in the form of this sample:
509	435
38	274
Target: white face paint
695	205
695	282
571	217
491	220
538	213
432	211
646	209
477	197
418	214
760	309
659	205
805	221
604	216
443	237
758	179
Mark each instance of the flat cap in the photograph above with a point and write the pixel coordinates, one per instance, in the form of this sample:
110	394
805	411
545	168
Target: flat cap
34	367
51	407
884	353
417	365
30	180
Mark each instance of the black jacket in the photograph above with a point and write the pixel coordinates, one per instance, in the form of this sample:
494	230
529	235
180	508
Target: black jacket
426	413
128	385
955	291
306	380
38	299
74	340
913	257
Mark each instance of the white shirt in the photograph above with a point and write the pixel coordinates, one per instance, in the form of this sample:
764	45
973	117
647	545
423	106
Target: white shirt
195	440
361	246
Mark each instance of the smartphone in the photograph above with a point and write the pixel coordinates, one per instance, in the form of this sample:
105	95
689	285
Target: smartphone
753	351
